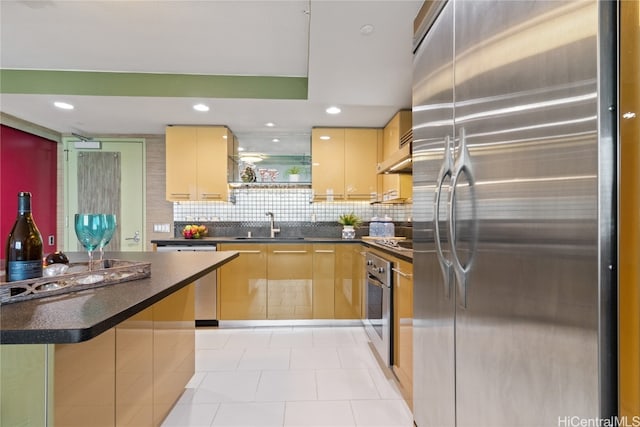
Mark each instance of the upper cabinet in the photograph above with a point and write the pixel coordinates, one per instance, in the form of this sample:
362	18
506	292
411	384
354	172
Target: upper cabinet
196	162
344	163
396	159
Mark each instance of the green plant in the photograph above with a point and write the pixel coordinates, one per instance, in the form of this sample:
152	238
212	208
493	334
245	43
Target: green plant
294	170
350	219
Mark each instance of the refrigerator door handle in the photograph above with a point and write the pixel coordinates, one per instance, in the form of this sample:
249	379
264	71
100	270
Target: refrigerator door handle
445	171
462	166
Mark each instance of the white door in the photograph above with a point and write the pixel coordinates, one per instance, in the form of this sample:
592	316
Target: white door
106	180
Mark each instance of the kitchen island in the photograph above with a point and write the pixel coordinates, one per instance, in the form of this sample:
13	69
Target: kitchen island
114	355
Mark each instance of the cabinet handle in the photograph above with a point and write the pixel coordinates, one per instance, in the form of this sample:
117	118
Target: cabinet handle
324	251
289	252
247	252
211	195
400	272
187	195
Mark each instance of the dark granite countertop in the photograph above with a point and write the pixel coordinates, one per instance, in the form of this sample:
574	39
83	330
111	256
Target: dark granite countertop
82	315
405	254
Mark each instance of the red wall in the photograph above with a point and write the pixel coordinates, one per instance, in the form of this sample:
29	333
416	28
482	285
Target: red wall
27	163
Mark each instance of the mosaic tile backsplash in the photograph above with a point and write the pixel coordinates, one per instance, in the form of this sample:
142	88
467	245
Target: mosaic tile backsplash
287	204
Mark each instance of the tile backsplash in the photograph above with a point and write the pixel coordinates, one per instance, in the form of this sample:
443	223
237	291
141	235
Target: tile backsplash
287	204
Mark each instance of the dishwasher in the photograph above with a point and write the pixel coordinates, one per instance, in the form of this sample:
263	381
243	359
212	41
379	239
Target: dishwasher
206	286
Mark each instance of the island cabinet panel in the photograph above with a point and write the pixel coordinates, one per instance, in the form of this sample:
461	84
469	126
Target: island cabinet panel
130	375
289	281
242	289
348	292
196	162
324	268
84	382
134	370
345	164
403	326
173	349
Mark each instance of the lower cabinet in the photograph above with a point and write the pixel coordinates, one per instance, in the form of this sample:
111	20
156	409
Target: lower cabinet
289	281
242	288
130	375
403	326
324	274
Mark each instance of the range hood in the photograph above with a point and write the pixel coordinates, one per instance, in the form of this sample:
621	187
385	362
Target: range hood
400	161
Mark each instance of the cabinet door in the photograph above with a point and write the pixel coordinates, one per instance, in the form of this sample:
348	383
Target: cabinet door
211	163
403	324
399	124
242	290
347	299
181	159
360	167
328	166
289	273
324	267
397	186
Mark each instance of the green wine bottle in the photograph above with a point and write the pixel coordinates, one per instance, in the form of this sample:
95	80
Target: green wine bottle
24	245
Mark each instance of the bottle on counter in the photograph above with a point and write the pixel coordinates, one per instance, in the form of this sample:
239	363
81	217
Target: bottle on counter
24	244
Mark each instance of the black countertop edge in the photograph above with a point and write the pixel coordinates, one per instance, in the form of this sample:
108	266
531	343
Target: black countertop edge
15	327
404	254
215	240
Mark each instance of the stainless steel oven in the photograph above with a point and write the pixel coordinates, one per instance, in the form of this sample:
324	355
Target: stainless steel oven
378	316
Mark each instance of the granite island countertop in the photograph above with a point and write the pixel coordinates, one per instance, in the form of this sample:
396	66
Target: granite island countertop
82	315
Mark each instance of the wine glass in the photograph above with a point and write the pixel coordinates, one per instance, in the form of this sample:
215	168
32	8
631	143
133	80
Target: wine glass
89	230
109	227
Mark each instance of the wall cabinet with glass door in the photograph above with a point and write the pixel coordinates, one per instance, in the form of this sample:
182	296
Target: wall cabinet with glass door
196	162
242	288
289	281
345	162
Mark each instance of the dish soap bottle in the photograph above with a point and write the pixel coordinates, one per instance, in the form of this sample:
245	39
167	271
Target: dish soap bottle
24	245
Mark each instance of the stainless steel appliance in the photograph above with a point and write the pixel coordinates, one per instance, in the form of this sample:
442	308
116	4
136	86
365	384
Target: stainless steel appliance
205	289
514	219
378	316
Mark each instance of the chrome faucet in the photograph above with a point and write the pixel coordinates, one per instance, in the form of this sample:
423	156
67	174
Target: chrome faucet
273	229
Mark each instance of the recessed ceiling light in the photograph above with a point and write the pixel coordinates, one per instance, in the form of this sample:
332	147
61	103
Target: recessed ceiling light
325	137
201	107
63	105
333	110
275	140
240	149
366	29
270	124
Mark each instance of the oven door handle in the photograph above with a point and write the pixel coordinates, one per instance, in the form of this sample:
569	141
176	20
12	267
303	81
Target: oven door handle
374	281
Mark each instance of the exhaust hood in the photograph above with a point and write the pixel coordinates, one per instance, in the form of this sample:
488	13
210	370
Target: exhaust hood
400	161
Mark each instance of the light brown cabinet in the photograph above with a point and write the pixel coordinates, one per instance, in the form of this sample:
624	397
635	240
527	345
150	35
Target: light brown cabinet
396	187
196	162
137	370
403	326
344	163
348	288
324	277
242	288
289	281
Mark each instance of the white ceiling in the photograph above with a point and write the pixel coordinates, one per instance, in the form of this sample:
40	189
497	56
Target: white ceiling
368	76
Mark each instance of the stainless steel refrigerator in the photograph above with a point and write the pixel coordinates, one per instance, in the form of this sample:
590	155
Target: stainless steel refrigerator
514	213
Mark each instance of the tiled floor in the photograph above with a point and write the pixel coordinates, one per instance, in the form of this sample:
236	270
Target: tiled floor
289	376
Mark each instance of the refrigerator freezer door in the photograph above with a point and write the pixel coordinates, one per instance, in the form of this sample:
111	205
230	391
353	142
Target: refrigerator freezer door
433	327
526	97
